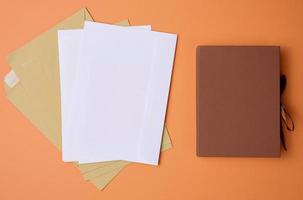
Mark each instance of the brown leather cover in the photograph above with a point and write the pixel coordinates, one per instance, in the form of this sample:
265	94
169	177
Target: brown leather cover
238	101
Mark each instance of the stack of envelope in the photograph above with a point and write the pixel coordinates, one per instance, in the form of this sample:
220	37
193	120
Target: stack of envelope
98	92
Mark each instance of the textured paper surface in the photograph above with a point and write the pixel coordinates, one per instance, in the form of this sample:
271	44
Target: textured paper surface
238	86
38	91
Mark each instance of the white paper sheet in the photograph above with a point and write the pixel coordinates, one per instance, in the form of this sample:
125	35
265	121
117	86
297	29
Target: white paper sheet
118	104
69	42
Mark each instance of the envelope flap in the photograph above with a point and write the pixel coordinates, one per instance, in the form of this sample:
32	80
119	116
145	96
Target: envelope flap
42	43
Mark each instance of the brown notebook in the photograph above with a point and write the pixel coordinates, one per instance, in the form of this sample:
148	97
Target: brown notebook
238	101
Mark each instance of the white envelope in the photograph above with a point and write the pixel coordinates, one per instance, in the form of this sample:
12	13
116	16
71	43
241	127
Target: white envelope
69	42
129	108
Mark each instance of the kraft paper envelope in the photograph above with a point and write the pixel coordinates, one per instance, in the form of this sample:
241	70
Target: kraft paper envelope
36	65
18	96
98	176
101	181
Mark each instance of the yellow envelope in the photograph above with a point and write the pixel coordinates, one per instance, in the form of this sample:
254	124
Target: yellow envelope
35	90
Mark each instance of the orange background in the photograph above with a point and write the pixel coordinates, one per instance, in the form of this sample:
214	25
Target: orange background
31	167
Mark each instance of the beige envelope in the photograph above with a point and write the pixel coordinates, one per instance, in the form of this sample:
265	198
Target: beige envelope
35	91
99	174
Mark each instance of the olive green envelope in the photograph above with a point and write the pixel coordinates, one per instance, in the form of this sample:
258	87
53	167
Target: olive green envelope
37	93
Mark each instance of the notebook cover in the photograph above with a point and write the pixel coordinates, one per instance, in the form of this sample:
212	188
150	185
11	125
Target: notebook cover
238	101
